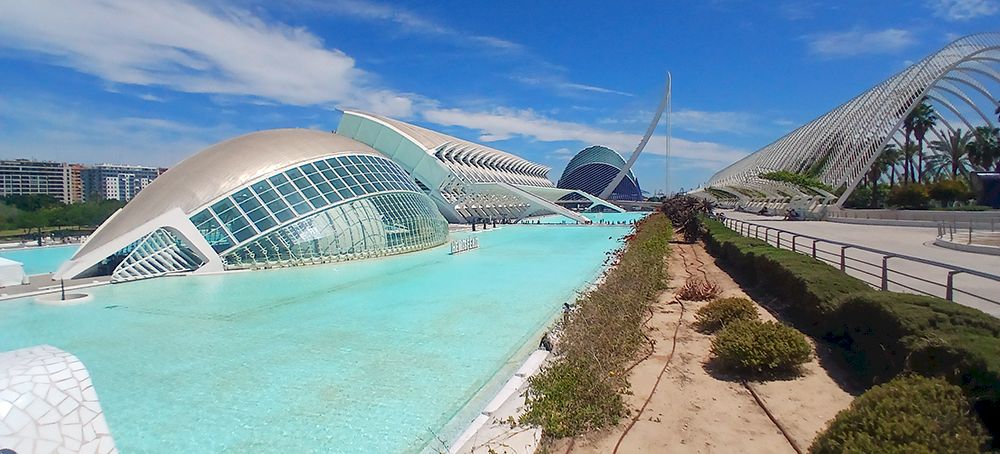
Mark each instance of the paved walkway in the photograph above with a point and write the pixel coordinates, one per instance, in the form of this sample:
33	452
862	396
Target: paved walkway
912	241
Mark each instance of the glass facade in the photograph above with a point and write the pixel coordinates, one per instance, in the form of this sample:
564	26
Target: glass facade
377	225
328	209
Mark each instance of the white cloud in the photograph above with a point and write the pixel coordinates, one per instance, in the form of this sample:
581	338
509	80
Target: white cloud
40	128
508	123
563	87
961	10
407	21
859	42
190	48
712	122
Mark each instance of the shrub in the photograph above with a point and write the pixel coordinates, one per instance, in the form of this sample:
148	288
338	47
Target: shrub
949	191
911	196
582	389
570	398
810	290
684	213
908	414
697	289
763	347
724	311
884	334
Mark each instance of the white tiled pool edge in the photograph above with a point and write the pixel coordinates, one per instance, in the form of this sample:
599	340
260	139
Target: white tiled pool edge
491	424
48	404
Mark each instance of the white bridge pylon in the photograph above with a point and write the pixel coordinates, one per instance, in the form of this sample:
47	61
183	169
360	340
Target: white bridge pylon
664	105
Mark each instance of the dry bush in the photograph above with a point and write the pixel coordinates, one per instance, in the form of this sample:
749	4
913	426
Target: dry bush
697	289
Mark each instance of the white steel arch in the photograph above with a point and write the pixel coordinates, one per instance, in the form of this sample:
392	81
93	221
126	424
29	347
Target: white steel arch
841	145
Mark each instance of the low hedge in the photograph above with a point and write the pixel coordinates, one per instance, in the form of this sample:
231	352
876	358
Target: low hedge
884	334
881	334
910	414
809	288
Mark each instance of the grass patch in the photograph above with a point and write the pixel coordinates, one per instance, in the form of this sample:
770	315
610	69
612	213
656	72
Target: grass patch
582	389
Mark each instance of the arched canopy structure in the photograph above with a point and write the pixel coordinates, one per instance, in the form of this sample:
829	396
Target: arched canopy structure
840	147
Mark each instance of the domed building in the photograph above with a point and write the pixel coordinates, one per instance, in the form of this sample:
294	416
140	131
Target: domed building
267	199
594	168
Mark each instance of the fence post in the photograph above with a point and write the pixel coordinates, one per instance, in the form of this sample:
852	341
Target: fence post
885	271
794	237
843	263
949	290
814	247
778	240
756	231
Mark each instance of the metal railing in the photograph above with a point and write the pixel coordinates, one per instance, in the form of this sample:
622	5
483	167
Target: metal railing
881	269
968	233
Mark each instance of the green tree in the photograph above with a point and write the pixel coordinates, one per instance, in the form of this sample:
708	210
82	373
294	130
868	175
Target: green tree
892	156
952	154
984	152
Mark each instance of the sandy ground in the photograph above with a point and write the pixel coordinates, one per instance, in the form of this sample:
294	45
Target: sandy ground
694	409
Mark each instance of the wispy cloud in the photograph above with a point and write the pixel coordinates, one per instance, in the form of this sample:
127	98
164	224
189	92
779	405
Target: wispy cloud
713	122
47	129
859	42
407	21
561	86
962	10
191	48
504	124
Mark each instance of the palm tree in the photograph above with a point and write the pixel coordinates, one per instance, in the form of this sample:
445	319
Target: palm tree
923	118
953	154
907	150
892	156
984	152
879	167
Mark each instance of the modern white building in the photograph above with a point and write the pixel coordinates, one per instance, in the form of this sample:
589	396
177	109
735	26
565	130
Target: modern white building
294	196
268	199
468	181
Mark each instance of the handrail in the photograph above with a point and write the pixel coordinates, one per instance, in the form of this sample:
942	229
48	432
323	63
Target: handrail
743	228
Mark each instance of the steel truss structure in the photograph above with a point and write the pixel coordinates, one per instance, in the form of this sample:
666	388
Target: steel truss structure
841	146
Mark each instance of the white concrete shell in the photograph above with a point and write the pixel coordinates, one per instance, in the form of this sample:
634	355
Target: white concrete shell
468	181
158	223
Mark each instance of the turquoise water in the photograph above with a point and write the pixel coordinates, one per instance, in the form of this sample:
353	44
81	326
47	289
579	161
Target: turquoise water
41	260
370	356
627	217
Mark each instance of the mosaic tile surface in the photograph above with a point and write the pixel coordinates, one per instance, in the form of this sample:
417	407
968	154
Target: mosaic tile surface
48	404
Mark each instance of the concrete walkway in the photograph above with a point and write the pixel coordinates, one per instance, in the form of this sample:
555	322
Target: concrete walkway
912	241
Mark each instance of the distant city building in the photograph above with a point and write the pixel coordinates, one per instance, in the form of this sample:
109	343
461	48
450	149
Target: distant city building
118	182
57	179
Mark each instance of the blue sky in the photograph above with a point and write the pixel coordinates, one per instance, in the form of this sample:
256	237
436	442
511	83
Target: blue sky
154	81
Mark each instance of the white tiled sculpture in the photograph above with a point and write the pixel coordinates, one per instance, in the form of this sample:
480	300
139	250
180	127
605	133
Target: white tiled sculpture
48	404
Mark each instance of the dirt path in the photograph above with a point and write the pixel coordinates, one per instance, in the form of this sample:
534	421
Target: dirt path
694	410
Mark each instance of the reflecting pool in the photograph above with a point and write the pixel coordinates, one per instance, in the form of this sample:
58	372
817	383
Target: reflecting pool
369	356
41	260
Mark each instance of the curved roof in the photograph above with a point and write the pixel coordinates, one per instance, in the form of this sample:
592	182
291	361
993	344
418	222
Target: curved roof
433	140
219	170
594	168
596	154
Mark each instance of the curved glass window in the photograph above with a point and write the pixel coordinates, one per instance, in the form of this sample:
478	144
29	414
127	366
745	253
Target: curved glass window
296	192
377	225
